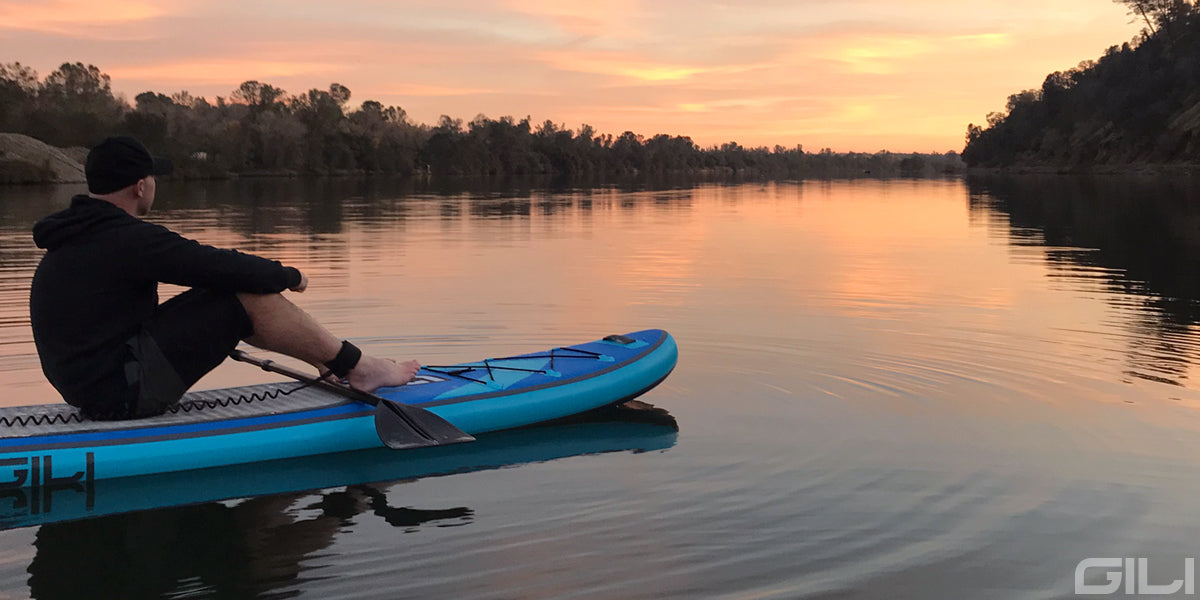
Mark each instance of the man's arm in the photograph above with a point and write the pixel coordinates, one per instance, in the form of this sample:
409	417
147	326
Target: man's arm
163	255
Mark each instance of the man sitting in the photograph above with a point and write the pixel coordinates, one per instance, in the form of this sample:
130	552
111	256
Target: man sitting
112	350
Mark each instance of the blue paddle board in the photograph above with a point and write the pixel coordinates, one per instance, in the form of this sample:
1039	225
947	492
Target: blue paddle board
53	445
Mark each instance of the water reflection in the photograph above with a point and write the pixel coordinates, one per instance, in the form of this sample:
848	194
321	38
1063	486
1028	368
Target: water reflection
324	205
889	390
1137	238
256	546
238	551
327	206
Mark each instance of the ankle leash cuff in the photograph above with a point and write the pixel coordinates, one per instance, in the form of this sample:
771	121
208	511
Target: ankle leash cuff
347	358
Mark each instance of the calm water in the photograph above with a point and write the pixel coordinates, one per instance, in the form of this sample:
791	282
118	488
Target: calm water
919	389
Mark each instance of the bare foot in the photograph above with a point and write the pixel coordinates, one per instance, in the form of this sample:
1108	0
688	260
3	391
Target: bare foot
372	373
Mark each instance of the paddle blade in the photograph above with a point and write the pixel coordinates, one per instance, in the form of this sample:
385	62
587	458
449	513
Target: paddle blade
401	427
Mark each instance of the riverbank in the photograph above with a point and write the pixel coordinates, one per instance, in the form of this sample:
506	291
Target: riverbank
1172	169
26	160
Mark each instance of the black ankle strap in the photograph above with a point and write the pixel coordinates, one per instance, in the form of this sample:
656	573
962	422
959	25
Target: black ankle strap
347	358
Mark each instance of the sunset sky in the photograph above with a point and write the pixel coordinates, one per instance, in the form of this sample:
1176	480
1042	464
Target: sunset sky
853	75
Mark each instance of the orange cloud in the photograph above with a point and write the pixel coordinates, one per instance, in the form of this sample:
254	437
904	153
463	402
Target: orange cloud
632	66
433	90
738	104
983	40
75	17
874	53
229	70
610	18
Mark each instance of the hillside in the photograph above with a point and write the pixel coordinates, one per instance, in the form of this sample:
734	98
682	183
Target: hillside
1137	106
26	160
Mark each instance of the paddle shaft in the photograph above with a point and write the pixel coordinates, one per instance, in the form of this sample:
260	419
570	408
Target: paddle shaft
274	367
400	426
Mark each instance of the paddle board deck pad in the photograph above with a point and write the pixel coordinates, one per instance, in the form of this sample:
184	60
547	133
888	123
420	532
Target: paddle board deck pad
52	445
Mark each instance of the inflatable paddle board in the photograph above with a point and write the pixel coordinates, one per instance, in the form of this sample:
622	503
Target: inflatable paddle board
53	445
616	429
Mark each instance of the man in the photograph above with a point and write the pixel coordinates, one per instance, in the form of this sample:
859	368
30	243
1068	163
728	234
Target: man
104	341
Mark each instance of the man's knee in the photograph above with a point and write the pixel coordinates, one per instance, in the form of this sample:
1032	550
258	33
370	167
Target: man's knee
256	302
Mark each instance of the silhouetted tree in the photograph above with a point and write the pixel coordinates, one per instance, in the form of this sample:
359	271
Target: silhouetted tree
1164	13
259	96
18	92
75	107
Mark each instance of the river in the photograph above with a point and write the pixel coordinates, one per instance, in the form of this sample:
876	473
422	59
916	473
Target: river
903	388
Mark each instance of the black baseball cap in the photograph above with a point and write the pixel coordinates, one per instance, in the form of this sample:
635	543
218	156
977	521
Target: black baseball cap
119	162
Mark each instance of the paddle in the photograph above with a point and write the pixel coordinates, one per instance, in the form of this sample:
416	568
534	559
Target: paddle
400	426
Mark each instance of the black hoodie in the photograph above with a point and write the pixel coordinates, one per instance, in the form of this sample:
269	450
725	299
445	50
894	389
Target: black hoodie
98	282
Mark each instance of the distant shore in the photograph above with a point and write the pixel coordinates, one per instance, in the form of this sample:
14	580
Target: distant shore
25	160
28	161
1171	169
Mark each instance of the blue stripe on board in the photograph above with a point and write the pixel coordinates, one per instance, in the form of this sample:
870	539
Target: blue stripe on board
214	427
518	391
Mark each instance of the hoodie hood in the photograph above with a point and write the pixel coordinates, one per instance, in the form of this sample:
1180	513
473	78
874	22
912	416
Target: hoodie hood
84	215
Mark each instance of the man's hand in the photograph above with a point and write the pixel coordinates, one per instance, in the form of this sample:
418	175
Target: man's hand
303	285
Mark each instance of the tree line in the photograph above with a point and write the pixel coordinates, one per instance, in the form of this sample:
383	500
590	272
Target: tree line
1138	104
260	128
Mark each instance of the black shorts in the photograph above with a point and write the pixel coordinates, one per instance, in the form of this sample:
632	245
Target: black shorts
188	336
